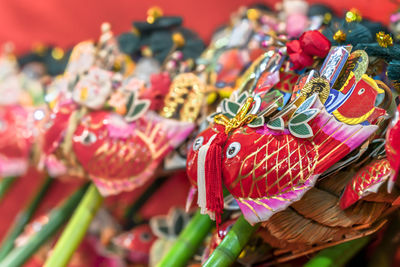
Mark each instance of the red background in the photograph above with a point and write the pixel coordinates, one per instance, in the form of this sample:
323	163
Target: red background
66	22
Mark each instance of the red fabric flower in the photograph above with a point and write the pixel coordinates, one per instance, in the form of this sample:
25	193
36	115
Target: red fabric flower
159	88
310	44
300	60
315	43
293	47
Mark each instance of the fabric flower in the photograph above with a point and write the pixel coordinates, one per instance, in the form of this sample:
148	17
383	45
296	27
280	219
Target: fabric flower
310	44
315	43
82	58
159	88
93	89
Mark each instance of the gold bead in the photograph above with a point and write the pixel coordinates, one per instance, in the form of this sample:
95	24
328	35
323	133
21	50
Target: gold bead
153	14
178	39
146	51
339	36
57	53
327	18
384	40
353	15
253	14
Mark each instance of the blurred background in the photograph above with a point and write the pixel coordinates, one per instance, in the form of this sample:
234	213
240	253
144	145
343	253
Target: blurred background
64	23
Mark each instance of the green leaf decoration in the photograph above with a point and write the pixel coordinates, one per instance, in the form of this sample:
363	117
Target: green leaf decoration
223	105
232	107
276	124
242	97
258	122
307	103
131	101
304	116
230	116
301	130
137	109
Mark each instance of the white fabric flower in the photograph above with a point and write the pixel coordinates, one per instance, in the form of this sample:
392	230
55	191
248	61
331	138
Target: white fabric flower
82	58
93	89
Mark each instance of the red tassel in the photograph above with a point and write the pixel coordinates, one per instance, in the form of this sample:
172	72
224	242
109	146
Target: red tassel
213	176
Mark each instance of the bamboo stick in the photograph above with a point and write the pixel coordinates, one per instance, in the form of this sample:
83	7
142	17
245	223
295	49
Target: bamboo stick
76	229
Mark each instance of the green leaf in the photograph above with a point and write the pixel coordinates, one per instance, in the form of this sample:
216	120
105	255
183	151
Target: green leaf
131	101
232	107
242	97
307	103
276	124
224	105
139	109
257	122
304	116
301	130
228	115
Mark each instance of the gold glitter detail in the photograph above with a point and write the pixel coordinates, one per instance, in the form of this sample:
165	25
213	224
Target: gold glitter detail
384	40
318	85
353	15
153	14
185	98
178	39
57	53
253	14
239	120
340	36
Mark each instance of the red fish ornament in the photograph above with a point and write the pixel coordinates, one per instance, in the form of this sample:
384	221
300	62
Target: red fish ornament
137	243
117	152
104	130
366	181
266	167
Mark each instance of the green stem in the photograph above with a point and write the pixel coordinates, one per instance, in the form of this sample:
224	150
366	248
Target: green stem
5	185
18	256
23	218
338	255
76	229
233	243
188	241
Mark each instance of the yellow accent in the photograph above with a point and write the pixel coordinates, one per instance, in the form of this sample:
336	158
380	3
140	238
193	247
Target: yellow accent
384	40
372	83
352	121
57	53
353	15
153	14
239	120
340	36
347	81
178	39
253	14
84	93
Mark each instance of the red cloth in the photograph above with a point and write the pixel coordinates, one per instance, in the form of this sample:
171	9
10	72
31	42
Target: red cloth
65	23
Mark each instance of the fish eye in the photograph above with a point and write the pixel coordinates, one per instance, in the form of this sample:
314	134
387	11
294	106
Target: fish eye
145	237
88	138
198	143
233	149
362	90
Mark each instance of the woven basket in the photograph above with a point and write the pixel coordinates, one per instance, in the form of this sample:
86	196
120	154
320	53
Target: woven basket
317	222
